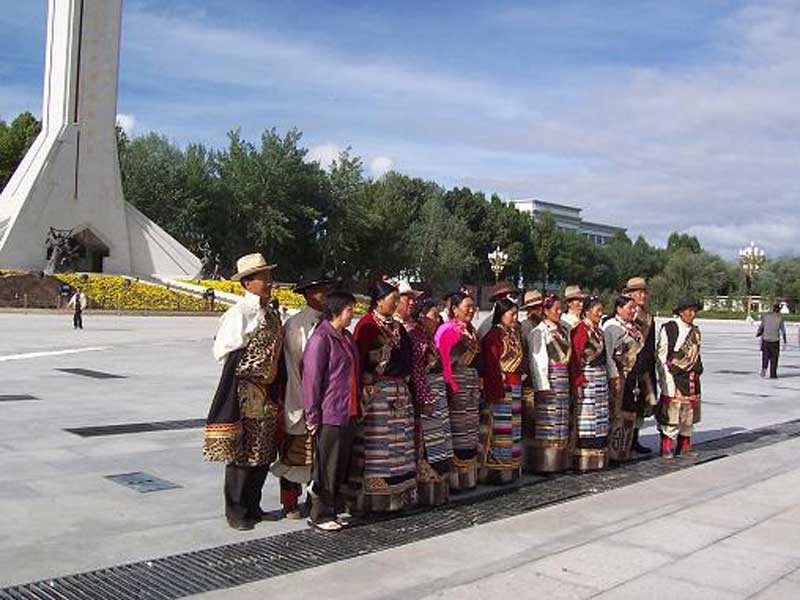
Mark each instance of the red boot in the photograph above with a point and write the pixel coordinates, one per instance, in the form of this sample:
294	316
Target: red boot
666	448
685	447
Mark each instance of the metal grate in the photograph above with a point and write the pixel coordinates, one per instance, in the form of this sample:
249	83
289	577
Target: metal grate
16	397
142	482
231	565
92	373
124	428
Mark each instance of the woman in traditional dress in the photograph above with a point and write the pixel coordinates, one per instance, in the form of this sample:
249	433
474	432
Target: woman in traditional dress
550	354
459	347
501	415
383	471
589	380
434	443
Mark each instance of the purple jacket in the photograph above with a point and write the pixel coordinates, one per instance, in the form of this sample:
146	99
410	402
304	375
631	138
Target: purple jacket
329	369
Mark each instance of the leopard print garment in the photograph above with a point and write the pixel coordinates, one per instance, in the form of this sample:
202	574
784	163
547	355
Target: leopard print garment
259	361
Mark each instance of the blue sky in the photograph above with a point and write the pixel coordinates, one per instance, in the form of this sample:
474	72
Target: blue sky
656	116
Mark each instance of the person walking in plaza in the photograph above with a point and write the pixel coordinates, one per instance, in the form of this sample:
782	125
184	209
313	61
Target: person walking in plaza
623	342
78	304
679	366
551	350
503	289
383	472
501	415
532	305
242	421
589	380
331	391
434	440
636	288
295	450
458	345
573	299
770	330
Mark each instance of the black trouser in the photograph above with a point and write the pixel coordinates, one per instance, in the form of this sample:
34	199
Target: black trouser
770	351
243	492
77	320
334	445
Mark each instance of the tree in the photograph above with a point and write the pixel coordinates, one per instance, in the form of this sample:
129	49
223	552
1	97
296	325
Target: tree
683	241
544	244
15	140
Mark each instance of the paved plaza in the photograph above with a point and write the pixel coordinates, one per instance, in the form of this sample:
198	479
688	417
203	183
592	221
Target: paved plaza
726	529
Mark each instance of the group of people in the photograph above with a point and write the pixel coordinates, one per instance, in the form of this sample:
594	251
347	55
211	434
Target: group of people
417	403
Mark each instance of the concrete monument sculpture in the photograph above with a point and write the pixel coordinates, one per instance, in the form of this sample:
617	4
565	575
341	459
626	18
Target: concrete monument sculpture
70	180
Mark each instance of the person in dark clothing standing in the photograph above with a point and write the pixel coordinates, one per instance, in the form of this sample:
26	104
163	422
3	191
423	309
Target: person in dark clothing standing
770	331
78	303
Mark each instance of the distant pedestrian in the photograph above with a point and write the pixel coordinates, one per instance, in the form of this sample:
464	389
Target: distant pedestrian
78	304
770	331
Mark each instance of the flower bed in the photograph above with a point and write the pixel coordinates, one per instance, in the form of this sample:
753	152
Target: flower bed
121	293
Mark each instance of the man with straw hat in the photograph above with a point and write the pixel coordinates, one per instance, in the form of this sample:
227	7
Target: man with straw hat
242	421
503	289
573	298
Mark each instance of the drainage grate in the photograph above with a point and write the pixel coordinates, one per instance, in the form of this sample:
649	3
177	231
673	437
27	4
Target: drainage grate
16	397
227	566
142	482
123	428
92	373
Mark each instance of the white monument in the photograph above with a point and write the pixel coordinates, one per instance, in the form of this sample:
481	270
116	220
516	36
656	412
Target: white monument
70	178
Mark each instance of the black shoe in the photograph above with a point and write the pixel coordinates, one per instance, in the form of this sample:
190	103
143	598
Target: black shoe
243	525
637	447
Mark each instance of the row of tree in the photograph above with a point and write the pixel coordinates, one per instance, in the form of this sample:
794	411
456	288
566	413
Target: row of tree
269	196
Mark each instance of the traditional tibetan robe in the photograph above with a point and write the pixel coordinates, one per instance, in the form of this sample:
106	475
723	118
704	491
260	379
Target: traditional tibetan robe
680	367
460	349
550	354
383	473
528	394
648	395
434	441
501	416
589	380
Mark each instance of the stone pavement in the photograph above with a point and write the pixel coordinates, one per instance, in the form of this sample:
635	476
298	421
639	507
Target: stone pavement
60	515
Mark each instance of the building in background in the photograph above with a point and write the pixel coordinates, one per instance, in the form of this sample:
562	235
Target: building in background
568	218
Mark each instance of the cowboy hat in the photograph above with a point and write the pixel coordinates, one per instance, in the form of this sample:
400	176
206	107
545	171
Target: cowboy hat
531	299
635	283
502	289
314	278
251	264
573	292
405	289
687	303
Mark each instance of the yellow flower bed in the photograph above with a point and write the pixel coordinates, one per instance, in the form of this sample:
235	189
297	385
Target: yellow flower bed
120	293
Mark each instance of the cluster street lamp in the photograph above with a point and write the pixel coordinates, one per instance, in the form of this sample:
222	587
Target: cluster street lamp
497	260
752	259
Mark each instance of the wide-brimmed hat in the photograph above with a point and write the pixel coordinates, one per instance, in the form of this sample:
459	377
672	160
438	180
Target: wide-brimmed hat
251	264
635	283
314	278
531	299
502	289
404	289
687	303
573	292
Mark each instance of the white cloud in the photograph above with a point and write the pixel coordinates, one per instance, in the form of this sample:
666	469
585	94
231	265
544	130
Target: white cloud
379	165
324	154
127	122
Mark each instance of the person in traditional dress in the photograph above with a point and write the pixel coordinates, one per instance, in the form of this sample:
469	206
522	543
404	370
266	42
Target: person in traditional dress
242	420
532	305
679	367
503	289
458	345
636	288
550	355
434	441
408	297
573	299
331	389
295	450
384	471
624	342
589	380
501	414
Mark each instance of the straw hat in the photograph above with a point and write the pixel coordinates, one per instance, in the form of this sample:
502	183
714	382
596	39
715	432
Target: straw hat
405	289
531	299
251	264
635	283
501	290
573	292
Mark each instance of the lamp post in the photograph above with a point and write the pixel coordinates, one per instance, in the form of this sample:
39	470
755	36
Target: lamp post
497	260
752	258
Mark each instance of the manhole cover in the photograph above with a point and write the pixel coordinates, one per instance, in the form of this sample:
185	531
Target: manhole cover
123	428
142	482
92	373
16	397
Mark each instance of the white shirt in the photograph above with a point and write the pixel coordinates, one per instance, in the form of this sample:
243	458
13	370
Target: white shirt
538	339
667	381
296	333
569	320
78	297
237	326
614	330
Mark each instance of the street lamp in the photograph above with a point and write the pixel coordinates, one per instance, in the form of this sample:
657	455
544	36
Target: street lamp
497	260
752	258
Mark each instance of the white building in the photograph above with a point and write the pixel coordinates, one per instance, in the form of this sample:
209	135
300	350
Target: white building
568	218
